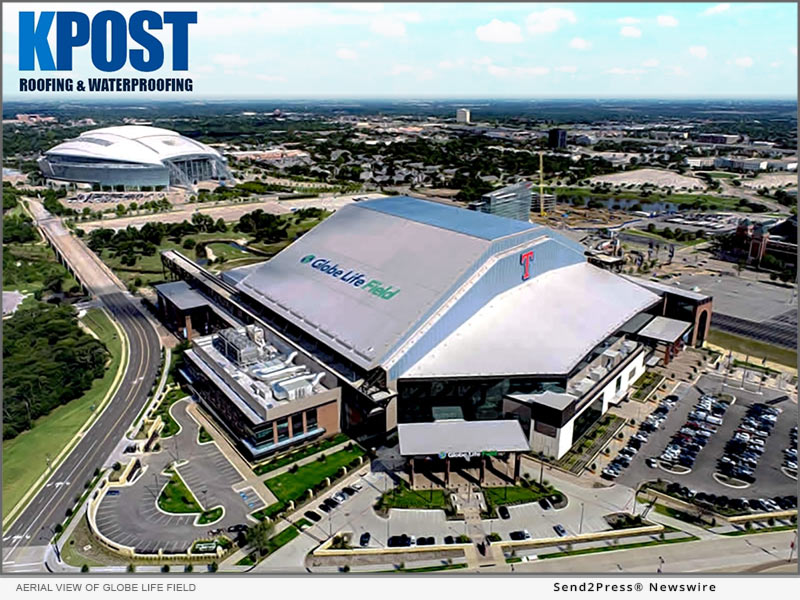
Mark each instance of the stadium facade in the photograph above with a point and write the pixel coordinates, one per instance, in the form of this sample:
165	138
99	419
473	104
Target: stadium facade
134	156
429	313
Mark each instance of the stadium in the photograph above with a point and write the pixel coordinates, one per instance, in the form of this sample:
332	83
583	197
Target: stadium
134	156
436	320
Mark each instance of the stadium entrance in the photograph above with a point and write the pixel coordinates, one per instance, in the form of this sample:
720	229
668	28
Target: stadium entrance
458	454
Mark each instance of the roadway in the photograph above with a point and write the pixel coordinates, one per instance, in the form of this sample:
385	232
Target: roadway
25	540
735	554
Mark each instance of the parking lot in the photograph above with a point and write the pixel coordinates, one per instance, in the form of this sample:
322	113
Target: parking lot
769	479
130	515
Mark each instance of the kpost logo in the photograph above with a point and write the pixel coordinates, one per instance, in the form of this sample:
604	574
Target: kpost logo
351	277
113	39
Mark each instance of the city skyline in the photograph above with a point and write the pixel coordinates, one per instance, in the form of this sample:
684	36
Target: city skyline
610	50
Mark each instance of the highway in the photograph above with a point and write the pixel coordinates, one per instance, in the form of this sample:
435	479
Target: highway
720	554
25	542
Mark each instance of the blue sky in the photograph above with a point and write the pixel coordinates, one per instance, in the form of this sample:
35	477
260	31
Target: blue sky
469	50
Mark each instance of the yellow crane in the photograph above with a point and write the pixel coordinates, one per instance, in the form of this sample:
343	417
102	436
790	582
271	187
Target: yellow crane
541	184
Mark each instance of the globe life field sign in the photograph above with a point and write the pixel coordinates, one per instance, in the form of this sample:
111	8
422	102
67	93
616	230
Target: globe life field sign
351	277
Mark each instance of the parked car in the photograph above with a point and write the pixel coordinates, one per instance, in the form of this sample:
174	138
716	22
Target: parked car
312	516
559	529
503	512
364	539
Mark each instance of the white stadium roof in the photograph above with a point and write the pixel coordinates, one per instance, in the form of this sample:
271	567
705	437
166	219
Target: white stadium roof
544	326
132	143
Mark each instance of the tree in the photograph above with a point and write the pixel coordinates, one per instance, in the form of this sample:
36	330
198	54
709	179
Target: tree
258	536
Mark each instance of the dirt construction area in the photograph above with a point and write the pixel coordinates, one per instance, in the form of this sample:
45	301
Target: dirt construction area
771	180
655	177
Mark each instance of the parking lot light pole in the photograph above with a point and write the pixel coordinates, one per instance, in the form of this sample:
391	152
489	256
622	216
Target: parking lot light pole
580	528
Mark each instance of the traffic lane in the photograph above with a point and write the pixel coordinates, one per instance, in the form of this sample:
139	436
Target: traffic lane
730	553
35	523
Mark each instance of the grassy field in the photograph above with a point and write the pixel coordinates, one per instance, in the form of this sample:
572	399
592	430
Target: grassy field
148	268
700	201
654	236
24	457
690	538
176	497
291	486
303	452
26	267
515	494
405	497
729	341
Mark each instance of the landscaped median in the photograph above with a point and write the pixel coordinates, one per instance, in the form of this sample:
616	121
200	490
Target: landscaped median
584	537
646	385
176	498
294	485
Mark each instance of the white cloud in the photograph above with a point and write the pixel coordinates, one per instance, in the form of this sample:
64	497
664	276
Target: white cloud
629	31
501	71
229	61
10	59
388	26
580	44
793	50
679	71
499	32
451	64
371	7
775	64
651	62
667	21
270	78
698	51
346	54
743	61
715	10
202	69
548	20
419	73
628	21
567	69
622	71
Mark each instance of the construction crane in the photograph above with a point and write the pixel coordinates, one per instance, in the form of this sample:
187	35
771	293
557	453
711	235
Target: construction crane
541	184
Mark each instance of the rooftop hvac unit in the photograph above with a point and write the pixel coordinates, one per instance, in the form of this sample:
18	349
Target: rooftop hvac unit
255	333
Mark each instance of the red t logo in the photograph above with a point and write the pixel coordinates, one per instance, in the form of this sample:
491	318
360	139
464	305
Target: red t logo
525	260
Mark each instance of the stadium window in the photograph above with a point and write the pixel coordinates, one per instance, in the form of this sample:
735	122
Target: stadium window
297	424
283	430
311	419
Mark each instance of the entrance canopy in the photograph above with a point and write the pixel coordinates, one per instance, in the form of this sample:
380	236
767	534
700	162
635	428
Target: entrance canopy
461	438
662	329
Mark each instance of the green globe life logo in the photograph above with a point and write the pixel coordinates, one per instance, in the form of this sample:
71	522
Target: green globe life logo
307	259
